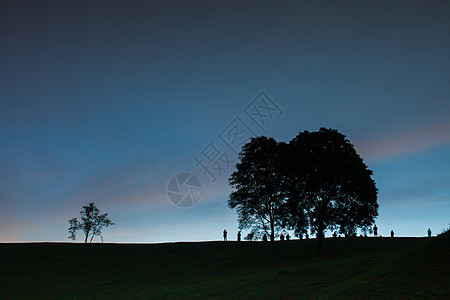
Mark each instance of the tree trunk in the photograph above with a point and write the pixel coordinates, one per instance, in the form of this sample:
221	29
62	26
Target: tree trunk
85	239
272	240
320	224
319	237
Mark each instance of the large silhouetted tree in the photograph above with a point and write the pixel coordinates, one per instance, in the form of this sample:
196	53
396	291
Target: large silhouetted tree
257	194
91	223
329	185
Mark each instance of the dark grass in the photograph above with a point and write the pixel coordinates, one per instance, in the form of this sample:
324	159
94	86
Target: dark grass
349	268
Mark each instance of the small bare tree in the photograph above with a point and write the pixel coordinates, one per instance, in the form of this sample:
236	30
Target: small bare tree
91	223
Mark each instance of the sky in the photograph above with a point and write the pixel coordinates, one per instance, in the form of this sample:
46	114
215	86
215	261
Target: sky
112	102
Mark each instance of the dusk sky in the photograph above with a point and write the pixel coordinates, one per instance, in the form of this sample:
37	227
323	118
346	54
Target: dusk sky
105	102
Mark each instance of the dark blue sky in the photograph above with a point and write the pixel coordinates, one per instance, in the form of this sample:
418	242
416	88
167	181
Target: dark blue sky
104	102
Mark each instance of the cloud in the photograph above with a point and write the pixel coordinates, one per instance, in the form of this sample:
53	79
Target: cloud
121	185
400	143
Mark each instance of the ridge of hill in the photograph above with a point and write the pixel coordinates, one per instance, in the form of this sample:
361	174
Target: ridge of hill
349	268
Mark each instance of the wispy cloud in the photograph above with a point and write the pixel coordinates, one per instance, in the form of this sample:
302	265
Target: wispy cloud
411	141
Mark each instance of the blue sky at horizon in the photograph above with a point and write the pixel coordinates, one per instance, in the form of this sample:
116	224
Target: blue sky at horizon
105	102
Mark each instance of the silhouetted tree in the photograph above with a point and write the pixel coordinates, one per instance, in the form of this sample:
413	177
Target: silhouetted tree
329	185
91	223
257	182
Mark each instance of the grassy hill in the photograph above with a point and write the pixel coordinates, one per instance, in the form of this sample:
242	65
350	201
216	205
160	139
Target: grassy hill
359	268
422	273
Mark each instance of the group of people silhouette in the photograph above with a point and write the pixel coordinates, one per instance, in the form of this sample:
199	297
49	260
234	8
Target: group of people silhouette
287	236
282	236
375	231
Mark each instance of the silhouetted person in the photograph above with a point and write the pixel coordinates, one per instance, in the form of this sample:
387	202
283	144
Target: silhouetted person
239	236
334	234
375	230
225	233
282	237
287	237
429	232
392	233
264	238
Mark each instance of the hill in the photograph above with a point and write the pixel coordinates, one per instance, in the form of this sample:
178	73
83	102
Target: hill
422	273
349	268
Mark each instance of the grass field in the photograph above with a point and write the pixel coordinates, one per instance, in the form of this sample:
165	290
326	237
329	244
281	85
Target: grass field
359	268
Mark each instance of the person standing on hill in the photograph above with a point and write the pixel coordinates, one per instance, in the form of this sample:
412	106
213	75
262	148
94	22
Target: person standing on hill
225	233
239	236
392	233
429	232
375	230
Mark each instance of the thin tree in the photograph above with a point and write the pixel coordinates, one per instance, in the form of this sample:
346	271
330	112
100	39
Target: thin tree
257	196
330	184
92	223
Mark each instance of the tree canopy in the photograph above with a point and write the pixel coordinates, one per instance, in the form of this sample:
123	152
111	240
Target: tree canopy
329	184
257	196
317	181
91	223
